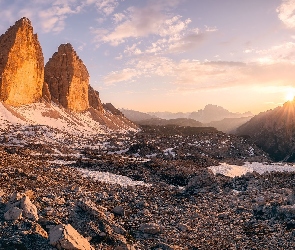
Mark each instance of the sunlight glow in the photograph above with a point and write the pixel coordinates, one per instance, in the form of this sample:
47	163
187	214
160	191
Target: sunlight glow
290	95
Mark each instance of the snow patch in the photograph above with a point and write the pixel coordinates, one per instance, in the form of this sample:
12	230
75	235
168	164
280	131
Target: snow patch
235	170
111	178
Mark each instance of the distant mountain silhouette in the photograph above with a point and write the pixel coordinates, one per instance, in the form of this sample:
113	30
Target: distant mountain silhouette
274	131
184	122
215	113
169	115
209	114
228	125
135	116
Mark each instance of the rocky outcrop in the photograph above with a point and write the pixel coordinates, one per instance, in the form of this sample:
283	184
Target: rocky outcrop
68	79
93	98
21	65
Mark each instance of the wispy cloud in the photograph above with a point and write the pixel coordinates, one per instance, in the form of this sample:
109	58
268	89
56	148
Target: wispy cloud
106	6
120	76
167	32
189	75
51	15
286	13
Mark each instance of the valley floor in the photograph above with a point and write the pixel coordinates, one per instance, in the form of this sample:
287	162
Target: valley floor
171	201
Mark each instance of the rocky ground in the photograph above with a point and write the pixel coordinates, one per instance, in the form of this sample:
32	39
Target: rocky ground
46	202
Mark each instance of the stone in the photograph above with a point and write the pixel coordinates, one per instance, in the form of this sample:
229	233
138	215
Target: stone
29	209
183	227
119	210
68	79
21	65
13	213
37	229
66	237
150	228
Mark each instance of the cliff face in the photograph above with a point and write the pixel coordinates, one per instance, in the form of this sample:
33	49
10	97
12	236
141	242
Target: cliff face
21	65
68	79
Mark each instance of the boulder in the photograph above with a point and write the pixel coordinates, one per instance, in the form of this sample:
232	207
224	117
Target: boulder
21	65
119	210
13	213
66	237
29	209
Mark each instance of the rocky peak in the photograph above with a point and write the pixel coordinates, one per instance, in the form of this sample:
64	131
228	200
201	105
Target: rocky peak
21	65
68	79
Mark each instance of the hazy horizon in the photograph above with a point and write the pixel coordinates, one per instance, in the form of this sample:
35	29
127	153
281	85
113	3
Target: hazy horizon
175	56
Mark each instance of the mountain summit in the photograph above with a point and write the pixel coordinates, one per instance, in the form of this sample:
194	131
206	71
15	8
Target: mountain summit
68	79
21	65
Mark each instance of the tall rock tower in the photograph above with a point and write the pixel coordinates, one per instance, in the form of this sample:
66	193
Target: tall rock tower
21	65
68	79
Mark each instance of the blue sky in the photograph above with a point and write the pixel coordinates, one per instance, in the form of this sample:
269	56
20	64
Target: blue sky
173	55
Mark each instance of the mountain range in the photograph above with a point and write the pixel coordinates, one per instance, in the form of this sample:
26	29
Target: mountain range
211	116
208	114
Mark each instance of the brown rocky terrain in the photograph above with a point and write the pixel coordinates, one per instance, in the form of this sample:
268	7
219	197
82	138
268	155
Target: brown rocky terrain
68	79
47	203
21	65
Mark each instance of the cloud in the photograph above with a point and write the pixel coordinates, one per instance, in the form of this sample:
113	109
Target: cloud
282	53
118	17
119	76
106	6
194	75
51	15
167	32
286	13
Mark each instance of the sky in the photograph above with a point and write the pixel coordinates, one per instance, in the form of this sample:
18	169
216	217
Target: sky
173	55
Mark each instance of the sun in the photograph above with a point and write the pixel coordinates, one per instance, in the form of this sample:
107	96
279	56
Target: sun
290	95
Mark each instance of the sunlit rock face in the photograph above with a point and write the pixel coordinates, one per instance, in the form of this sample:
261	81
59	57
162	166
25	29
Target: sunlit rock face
68	79
21	65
